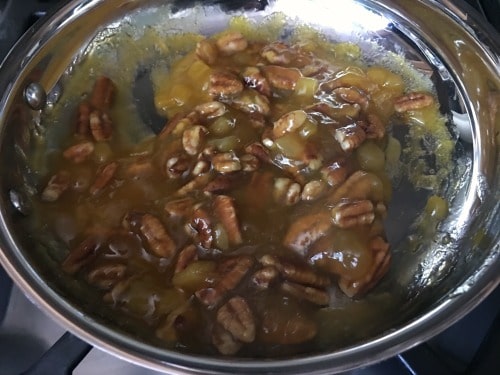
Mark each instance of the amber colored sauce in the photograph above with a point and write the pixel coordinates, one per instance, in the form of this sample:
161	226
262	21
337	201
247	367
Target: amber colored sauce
151	293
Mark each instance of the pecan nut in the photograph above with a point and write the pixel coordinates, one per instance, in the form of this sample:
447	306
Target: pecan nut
83	120
259	151
181	207
200	228
224	84
252	103
82	254
353	95
302	292
178	165
231	43
186	256
254	79
104	177
286	191
231	271
226	212
289	122
373	127
152	230
80	152
313	190
352	214
57	185
100	125
225	343
206	51
103	93
380	266
249	163
306	230
413	101
236	317
282	78
277	53
210	110
298	273
350	136
264	277
226	162
106	276
193	139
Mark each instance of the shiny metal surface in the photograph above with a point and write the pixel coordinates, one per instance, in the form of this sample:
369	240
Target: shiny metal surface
35	96
448	275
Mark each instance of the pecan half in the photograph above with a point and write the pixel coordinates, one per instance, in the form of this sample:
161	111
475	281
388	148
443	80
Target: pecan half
254	79
201	167
176	125
200	228
350	136
413	101
353	95
224	84
221	183
152	230
196	183
277	53
80	152
103	93
225	343
305	230
258	150
380	266
193	139
286	330
249	163
178	165
103	178
211	110
352	214
107	276
231	43
206	51
82	254
231	271
236	317
139	168
226	162
359	186
282	78
313	190
314	295
226	212
289	122
83	119
298	273
252	103
373	127
186	256
101	126
264	277
286	191
57	185
182	207
335	173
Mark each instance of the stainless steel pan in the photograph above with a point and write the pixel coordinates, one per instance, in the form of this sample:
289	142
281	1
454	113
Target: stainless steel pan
441	280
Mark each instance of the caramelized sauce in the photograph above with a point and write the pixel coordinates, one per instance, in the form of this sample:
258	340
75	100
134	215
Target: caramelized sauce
168	302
